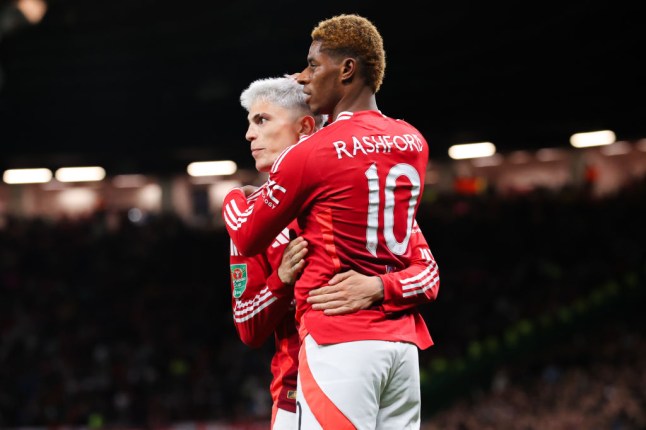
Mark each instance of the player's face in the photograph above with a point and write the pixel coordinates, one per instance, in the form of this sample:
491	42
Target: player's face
321	80
271	129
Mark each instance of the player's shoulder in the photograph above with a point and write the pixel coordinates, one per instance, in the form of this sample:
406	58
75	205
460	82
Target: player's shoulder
239	192
380	119
296	154
408	128
233	194
403	123
398	121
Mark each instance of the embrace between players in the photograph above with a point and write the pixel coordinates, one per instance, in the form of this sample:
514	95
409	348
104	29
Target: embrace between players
327	255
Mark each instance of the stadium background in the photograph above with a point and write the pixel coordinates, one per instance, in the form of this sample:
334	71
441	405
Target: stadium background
114	302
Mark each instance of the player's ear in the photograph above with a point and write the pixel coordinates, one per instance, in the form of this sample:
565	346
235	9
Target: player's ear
307	125
348	69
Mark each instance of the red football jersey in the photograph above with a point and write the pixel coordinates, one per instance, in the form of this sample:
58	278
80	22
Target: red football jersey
262	306
354	188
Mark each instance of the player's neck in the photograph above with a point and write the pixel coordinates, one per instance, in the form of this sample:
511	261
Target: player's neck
364	100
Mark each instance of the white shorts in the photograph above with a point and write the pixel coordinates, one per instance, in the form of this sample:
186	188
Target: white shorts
285	420
362	385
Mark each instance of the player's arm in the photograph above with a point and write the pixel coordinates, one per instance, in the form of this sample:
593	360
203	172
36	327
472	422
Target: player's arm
418	283
255	221
351	291
261	297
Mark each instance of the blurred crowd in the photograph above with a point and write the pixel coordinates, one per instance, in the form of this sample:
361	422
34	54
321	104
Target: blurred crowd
121	323
109	322
596	381
507	260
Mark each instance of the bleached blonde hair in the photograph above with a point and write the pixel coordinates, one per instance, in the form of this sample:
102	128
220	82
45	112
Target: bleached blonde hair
281	91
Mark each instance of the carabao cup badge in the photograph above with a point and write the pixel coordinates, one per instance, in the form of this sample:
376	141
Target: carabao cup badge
239	279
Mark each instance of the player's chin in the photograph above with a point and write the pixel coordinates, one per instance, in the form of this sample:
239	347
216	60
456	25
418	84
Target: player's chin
262	165
314	107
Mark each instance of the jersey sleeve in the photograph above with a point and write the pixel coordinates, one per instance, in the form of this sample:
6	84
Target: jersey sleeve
418	283
260	300
254	221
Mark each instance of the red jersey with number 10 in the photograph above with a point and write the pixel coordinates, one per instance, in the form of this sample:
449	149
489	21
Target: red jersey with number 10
354	187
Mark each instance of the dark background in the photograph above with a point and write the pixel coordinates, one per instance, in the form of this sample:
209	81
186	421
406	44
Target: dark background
150	85
108	321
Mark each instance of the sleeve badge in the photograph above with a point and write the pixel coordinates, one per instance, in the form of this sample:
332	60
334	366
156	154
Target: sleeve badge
238	279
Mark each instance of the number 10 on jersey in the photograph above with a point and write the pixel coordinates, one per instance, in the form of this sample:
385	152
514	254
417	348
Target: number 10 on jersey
389	193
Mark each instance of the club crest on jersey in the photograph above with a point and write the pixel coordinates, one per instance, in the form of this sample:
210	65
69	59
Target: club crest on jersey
239	279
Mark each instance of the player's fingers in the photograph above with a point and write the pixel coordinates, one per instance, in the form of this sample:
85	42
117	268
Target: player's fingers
321	291
300	251
300	254
295	244
298	266
317	299
294	253
341	310
327	305
340	277
329	299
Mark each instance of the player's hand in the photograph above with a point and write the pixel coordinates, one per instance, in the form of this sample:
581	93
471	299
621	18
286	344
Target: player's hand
346	293
293	261
248	190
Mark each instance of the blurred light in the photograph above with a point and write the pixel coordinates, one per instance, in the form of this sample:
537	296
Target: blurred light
219	190
617	148
80	174
150	197
592	138
470	185
204	180
641	145
55	185
135	215
519	157
78	200
212	168
494	160
548	154
33	10
472	150
27	176
129	181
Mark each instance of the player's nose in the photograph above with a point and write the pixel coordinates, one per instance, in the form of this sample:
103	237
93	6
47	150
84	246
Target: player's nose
250	135
302	77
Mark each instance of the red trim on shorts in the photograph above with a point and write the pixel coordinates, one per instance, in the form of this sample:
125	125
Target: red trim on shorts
326	412
274	411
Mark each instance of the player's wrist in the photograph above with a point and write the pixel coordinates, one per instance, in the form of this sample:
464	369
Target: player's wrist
378	294
286	279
